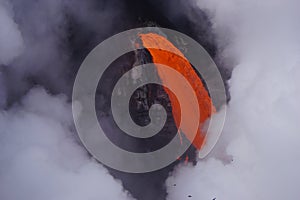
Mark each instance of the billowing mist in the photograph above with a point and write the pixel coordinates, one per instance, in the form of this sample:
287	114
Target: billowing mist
258	154
40	155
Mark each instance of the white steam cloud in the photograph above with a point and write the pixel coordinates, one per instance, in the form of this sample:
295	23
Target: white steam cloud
40	158
258	156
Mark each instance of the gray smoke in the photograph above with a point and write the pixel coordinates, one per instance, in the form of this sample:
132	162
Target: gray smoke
10	36
40	156
40	47
258	156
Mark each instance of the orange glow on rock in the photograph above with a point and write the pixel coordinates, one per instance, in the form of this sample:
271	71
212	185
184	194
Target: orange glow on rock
182	65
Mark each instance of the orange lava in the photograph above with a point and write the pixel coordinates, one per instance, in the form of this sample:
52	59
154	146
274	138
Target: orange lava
182	65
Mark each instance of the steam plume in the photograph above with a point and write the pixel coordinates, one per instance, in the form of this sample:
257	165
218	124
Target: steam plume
258	155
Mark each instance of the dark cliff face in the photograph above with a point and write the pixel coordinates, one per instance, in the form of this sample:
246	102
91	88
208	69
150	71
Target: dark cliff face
179	15
147	185
174	14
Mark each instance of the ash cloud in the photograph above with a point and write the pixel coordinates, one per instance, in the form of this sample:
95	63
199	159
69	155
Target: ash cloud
257	156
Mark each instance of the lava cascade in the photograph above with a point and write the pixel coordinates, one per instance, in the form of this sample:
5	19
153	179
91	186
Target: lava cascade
161	50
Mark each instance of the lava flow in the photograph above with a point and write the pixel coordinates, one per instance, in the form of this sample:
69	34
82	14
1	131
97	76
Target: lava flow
161	52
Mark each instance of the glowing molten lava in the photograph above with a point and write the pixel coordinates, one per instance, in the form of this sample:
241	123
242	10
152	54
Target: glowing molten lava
182	65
